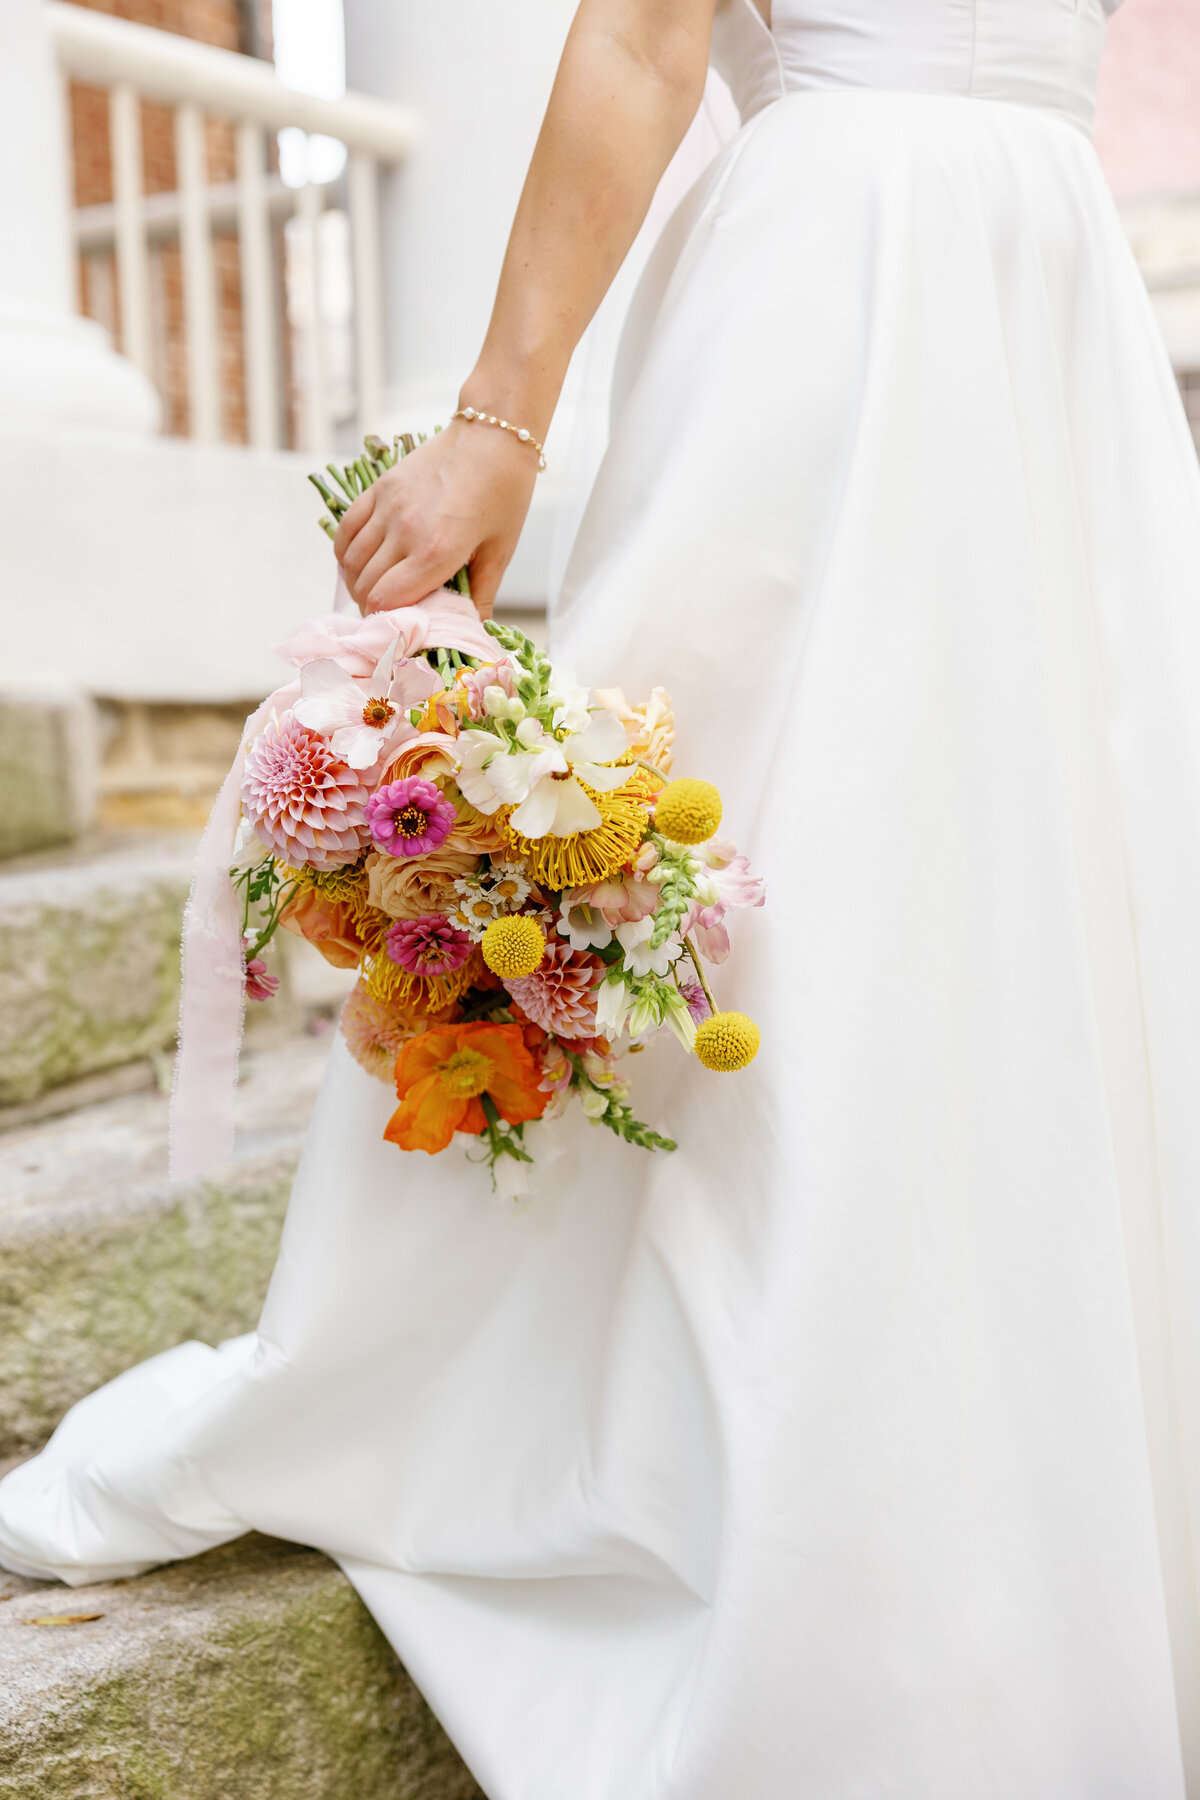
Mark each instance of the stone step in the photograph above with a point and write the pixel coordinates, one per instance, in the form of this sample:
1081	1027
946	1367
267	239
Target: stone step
103	1262
251	1673
89	962
89	973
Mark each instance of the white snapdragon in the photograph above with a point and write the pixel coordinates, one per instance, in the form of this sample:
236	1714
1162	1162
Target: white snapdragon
613	1001
585	927
641	958
499	705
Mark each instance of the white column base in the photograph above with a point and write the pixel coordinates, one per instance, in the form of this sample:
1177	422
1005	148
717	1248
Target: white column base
58	369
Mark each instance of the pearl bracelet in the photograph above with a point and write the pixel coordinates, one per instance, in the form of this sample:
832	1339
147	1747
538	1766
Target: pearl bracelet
470	413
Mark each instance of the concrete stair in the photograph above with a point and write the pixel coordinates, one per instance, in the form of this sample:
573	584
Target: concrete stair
252	1673
104	1262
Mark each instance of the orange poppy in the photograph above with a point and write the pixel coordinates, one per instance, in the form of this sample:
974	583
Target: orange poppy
442	1076
329	925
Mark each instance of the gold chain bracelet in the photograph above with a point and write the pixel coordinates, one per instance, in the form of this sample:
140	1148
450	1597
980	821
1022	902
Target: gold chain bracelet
471	414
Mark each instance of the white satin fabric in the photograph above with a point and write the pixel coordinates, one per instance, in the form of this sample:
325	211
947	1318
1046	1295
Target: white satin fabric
850	1453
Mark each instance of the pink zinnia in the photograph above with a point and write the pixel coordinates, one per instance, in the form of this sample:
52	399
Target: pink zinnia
561	995
410	817
429	945
301	799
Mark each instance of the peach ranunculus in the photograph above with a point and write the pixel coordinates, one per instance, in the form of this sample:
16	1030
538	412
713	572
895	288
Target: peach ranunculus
650	727
431	755
329	925
442	1076
474	830
405	887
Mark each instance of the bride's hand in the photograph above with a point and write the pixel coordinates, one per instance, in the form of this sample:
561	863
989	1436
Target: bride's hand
460	498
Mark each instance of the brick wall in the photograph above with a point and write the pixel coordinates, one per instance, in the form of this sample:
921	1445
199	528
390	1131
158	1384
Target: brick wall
243	25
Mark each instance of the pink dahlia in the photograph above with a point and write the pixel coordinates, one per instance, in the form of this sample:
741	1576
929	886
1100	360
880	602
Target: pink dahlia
560	996
429	945
301	799
410	817
375	1033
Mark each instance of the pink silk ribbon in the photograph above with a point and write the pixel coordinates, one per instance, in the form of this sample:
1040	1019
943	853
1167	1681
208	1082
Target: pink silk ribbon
212	1007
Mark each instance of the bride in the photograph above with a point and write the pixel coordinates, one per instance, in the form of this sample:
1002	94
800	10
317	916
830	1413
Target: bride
853	1452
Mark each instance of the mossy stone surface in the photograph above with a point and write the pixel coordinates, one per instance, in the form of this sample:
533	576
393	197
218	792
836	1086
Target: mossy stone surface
47	756
104	1262
252	1673
80	1304
89	968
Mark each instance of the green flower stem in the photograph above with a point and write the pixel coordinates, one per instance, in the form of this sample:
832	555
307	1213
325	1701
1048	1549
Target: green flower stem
641	763
707	991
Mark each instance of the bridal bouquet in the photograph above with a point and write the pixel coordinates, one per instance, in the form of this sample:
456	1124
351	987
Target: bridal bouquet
501	855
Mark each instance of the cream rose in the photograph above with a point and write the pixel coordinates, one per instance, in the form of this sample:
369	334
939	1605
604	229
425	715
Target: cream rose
404	887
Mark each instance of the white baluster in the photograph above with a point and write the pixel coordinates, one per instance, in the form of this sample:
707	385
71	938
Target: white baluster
199	298
133	268
313	430
368	289
258	298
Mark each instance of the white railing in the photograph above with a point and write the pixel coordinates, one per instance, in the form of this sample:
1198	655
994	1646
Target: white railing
136	62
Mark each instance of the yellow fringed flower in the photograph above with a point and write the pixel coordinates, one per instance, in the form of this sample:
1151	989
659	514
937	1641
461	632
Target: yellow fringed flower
513	946
727	1041
596	855
346	886
688	811
426	995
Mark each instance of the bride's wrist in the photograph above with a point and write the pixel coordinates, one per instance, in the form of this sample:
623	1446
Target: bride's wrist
526	398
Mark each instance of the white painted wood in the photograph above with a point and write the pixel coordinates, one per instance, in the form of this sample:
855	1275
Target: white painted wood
258	294
199	295
313	421
163	66
363	194
56	368
133	267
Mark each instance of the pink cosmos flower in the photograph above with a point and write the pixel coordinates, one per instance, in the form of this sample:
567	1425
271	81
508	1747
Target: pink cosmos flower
410	817
260	985
301	799
365	718
429	945
561	995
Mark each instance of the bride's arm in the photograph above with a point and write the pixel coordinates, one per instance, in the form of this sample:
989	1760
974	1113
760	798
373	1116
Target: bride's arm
628	85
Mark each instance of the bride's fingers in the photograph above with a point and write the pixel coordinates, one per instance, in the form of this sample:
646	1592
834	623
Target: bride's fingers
486	570
363	546
391	553
409	581
352	522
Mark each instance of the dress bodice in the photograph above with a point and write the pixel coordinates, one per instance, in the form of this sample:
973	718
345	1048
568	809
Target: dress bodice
1043	53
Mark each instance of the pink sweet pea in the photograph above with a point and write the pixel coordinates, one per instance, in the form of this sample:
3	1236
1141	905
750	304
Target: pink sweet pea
729	882
475	682
590	915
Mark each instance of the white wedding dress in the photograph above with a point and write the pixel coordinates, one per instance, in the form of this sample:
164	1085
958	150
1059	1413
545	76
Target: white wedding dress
852	1452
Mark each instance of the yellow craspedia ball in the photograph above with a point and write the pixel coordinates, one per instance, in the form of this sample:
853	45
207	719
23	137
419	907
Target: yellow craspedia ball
688	811
727	1041
513	947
